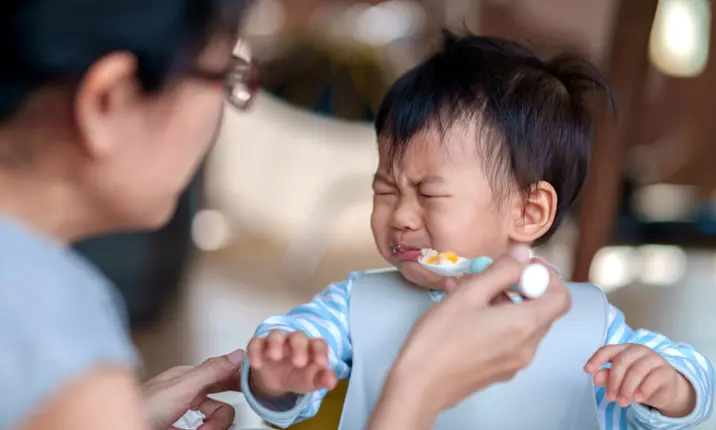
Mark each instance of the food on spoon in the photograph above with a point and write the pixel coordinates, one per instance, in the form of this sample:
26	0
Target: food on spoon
533	282
430	256
446	257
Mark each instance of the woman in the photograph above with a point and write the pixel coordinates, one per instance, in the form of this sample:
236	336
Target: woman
106	110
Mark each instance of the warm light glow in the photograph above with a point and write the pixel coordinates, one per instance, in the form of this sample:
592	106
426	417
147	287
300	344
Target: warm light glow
387	22
242	49
679	43
210	230
613	267
661	265
665	202
618	266
267	18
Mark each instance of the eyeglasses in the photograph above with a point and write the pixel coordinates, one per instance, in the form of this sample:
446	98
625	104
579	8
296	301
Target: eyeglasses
241	81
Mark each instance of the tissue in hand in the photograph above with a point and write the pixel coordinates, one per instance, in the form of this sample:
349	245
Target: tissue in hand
190	421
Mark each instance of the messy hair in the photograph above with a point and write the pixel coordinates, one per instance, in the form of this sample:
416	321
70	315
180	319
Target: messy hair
532	115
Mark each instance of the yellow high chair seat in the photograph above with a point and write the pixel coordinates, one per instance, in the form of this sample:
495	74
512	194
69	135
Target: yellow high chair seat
329	415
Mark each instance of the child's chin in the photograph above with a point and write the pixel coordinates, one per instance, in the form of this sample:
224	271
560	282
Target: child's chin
420	276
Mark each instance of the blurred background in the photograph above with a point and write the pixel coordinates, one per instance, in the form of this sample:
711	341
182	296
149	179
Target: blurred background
281	207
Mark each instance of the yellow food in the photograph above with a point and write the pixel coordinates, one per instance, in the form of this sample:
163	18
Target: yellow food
447	255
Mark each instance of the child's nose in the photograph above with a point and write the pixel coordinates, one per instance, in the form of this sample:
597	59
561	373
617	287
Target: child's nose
405	216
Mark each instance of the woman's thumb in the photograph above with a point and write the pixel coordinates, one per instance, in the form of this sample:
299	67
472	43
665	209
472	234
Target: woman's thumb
215	369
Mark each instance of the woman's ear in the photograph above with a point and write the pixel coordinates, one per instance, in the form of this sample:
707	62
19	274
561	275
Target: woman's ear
533	213
105	96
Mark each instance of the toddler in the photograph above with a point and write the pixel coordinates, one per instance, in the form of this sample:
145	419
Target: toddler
481	146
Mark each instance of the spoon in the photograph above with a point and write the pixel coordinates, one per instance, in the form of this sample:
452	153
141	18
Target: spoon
533	281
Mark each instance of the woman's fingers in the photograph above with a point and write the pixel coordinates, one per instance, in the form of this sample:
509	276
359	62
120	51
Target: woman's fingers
210	374
449	285
483	288
232	383
474	337
553	269
172	373
217	415
521	253
502	299
554	303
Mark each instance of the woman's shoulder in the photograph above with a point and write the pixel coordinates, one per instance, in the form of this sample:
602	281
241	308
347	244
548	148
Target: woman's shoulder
59	318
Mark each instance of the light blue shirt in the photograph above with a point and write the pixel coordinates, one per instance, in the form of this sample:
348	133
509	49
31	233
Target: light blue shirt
59	318
326	317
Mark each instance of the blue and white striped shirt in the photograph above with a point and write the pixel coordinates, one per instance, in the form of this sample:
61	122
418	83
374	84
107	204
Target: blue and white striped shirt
326	316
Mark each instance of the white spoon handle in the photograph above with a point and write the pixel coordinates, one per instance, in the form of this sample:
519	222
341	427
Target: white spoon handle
534	281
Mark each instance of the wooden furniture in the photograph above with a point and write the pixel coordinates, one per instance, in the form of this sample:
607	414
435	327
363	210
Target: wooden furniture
627	68
682	110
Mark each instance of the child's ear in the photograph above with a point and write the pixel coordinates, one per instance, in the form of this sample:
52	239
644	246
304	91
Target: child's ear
533	213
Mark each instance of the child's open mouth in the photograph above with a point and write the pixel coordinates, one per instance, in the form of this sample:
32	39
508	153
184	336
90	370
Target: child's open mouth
405	253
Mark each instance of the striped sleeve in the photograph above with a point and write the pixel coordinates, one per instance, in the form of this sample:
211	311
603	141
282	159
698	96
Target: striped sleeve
684	358
325	317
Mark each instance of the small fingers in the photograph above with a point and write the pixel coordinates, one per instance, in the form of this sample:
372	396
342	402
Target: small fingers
652	384
295	346
603	356
275	345
601	377
635	376
304	381
325	378
298	345
621	366
271	348
319	352
255	352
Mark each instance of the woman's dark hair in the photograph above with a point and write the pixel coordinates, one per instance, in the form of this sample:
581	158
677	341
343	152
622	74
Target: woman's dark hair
53	41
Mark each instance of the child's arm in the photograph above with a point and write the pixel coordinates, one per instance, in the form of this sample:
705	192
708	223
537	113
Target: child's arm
325	317
645	367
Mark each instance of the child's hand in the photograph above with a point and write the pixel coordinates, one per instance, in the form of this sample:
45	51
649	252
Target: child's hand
639	374
285	363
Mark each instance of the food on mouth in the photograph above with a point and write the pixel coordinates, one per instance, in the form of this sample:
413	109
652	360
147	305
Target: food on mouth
401	248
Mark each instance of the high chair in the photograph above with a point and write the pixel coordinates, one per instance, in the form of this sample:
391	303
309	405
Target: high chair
329	415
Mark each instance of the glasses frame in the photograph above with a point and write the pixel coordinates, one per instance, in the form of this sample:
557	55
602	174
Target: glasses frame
240	80
241	83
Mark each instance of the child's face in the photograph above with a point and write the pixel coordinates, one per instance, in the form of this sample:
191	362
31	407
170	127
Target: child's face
439	197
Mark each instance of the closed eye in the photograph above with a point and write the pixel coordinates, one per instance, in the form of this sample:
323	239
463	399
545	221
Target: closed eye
432	196
382	191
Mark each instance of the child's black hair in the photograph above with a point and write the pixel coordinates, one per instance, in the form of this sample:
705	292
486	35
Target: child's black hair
534	111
